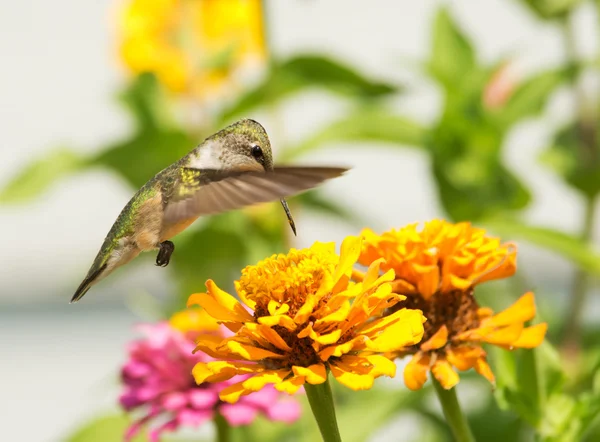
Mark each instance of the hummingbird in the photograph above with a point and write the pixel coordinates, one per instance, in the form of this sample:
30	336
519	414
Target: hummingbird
229	170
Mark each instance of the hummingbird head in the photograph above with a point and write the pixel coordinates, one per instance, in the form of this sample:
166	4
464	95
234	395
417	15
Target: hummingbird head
244	145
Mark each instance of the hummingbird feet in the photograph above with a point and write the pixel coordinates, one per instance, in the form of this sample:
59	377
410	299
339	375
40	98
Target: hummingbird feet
164	254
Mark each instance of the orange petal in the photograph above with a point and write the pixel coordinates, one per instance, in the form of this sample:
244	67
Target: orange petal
428	279
415	372
209	344
443	372
314	374
521	311
438	340
220	304
482	367
504	335
532	336
464	358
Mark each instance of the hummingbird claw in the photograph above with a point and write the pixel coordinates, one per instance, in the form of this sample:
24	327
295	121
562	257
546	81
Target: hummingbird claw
164	254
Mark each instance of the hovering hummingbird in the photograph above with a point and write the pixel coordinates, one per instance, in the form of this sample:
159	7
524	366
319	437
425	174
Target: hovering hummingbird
229	170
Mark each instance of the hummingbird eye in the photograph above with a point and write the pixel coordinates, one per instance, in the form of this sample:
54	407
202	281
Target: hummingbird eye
257	152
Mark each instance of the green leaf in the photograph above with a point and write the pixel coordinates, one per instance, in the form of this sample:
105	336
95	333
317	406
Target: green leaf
551	9
104	429
304	72
144	154
577	164
39	175
148	104
452	55
364	124
568	246
529	98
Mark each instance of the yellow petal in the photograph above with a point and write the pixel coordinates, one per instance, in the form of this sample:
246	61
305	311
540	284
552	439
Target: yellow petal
339	350
415	372
351	380
314	374
382	366
233	393
532	336
242	294
282	320
349	253
438	340
406	331
258	381
521	311
459	283
325	339
250	352
443	372
337	316
290	385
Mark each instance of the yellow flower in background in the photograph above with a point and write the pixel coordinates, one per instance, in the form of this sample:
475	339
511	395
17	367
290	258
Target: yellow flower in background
437	268
196	47
302	316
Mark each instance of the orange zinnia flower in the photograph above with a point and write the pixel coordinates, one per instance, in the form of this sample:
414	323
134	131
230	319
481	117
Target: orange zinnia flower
303	318
437	268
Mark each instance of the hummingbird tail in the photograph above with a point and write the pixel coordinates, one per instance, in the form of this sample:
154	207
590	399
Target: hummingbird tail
88	282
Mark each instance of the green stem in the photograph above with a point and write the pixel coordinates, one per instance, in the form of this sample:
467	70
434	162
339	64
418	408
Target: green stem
454	416
587	134
321	404
222	427
579	289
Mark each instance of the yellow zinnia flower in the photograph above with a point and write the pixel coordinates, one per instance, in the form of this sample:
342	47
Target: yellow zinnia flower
196	47
437	268
302	317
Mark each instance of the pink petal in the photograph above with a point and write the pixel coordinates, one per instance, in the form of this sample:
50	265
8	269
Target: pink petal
200	398
136	369
174	401
155	434
285	410
193	418
238	414
261	399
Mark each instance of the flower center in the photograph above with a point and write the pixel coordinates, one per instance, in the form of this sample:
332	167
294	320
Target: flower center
457	310
287	279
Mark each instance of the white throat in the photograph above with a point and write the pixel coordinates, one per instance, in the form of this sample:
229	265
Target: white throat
207	156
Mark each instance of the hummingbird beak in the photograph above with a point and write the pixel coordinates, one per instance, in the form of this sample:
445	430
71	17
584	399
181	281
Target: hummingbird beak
289	215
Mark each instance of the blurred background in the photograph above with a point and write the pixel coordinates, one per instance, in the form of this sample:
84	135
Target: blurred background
484	111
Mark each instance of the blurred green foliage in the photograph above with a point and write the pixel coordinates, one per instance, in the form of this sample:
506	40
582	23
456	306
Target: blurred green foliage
538	395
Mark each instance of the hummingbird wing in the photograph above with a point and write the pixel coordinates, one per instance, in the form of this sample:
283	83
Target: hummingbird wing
206	191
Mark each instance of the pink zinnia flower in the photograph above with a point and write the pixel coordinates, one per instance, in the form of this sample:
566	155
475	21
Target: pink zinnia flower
158	382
